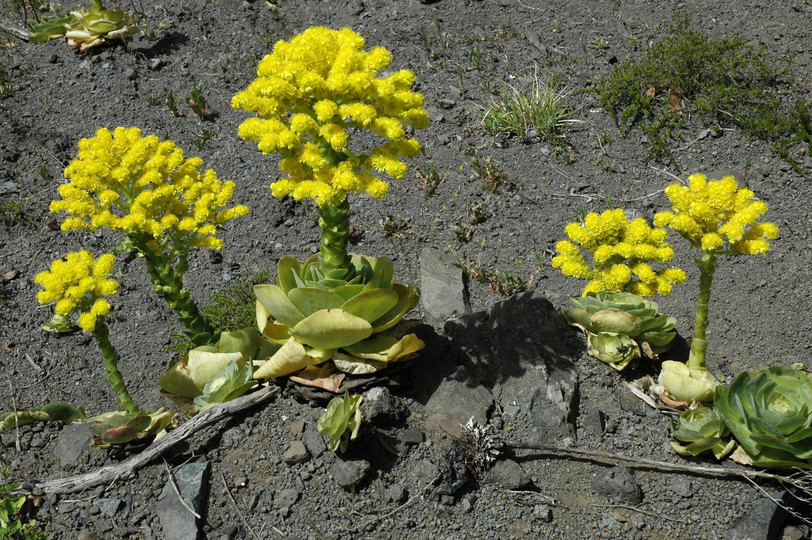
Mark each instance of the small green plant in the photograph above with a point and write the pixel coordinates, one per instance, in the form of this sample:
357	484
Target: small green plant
462	231
489	172
475	56
202	137
42	170
87	29
394	225
430	179
600	44
501	281
197	102
341	421
477	213
719	79
11	524
6	90
540	111
11	212
153	100
173	105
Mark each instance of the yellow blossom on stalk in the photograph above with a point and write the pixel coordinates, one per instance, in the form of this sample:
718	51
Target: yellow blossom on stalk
310	93
141	186
717	216
78	283
621	255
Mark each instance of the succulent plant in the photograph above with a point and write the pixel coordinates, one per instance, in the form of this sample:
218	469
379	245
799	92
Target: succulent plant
87	29
189	376
319	312
685	383
120	427
53	411
769	412
703	430
341	421
606	316
230	383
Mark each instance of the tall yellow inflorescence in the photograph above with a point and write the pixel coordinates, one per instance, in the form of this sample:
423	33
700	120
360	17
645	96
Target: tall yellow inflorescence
621	252
309	93
142	186
717	216
78	283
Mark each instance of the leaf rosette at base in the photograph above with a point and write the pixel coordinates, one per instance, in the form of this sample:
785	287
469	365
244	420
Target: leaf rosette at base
769	412
703	430
620	326
121	427
319	315
687	384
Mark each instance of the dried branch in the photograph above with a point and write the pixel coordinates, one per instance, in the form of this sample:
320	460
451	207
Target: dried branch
127	468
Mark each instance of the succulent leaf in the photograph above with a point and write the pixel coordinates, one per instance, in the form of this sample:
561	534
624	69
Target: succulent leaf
371	304
769	412
308	300
291	357
278	305
703	429
341	421
617	350
331	329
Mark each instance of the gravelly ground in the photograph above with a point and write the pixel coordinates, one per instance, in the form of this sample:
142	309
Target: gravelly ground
58	96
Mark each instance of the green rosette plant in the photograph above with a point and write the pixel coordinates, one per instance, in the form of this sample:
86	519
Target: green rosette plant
85	29
121	427
769	412
310	93
162	203
621	326
341	421
719	219
703	430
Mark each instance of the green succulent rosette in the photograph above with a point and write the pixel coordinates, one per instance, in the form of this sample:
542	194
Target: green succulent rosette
317	313
93	27
341	421
614	314
703	430
189	376
230	383
685	383
769	412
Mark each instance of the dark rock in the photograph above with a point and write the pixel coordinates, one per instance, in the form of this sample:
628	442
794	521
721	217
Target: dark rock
508	474
296	453
618	485
232	437
425	471
442	293
762	522
108	506
177	521
349	473
7	188
380	408
680	485
411	436
313	441
525	350
74	442
594	421
455	401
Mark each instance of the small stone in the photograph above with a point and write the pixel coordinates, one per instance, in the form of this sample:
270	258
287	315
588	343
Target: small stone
380	408
762	521
347	474
508	474
443	294
618	485
296	453
297	428
108	506
425	471
396	494
286	497
74	442
594	421
411	436
543	512
681	486
313	441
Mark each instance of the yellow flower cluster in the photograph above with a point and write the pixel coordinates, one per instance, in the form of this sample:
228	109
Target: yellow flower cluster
140	185
621	252
78	283
309	93
711	213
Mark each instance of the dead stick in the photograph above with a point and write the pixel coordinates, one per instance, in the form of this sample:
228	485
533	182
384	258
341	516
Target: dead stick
641	463
126	468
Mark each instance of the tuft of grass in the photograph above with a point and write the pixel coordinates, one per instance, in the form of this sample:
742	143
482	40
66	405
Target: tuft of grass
231	308
430	179
11	212
540	111
6	90
197	102
489	172
719	79
501	281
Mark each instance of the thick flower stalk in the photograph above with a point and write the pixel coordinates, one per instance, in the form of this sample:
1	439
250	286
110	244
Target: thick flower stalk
165	206
309	95
78	284
717	218
621	252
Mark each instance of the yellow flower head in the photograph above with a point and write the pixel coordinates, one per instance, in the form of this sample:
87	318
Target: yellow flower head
621	252
717	216
309	92
142	186
77	283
